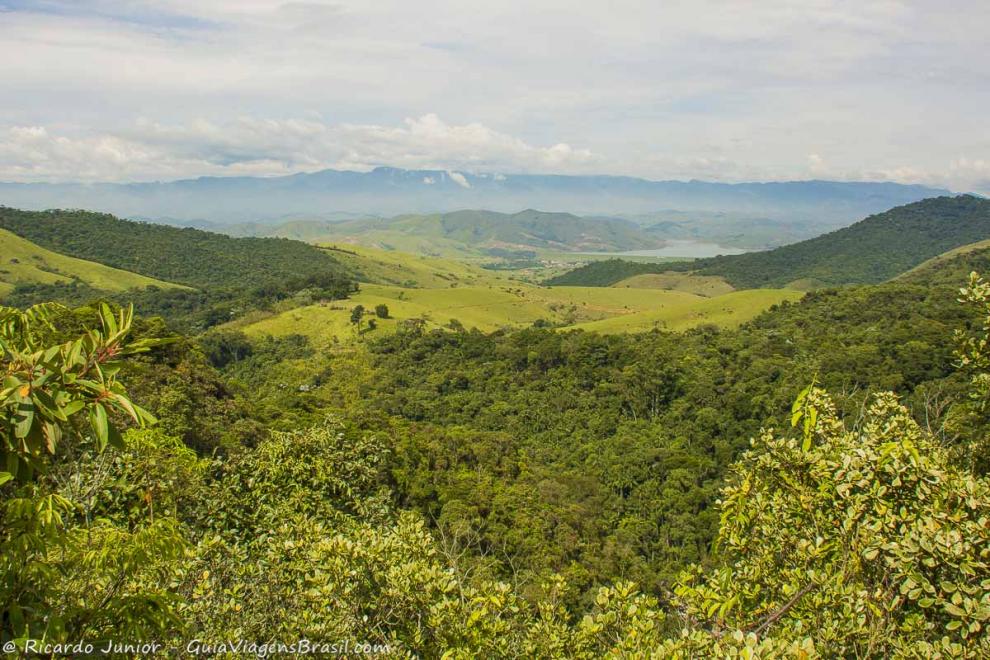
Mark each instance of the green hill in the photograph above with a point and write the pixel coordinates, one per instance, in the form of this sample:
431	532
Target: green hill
873	250
702	285
374	266
951	269
725	311
24	262
606	273
477	233
187	256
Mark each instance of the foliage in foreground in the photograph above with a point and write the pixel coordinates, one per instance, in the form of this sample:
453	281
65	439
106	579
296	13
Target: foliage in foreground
861	538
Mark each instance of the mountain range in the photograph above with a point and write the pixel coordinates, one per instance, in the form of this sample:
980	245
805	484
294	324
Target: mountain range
800	208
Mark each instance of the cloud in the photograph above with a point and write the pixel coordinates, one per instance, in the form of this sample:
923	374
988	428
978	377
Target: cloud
459	179
719	89
149	150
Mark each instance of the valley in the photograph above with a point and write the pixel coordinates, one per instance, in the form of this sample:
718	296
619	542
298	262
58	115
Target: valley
503	418
495	330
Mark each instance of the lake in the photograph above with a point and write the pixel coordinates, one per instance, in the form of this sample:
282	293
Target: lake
681	248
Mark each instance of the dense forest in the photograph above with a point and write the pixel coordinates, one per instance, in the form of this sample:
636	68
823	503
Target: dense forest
811	484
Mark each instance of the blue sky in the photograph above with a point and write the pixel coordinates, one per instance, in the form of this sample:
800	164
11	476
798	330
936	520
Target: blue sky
720	90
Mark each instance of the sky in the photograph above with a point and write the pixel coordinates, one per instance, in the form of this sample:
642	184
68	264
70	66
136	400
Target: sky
721	90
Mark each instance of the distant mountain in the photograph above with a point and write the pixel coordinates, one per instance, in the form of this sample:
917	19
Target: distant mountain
873	250
389	191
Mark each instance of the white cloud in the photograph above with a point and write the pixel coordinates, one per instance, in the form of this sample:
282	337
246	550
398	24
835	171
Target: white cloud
150	150
459	179
719	89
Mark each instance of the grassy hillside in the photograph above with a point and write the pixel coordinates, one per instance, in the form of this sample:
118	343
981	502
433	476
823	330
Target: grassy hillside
24	262
476	233
187	256
377	266
951	269
515	305
871	251
977	252
702	285
726	311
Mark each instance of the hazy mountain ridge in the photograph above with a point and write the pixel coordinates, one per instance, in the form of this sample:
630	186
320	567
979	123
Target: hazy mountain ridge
389	191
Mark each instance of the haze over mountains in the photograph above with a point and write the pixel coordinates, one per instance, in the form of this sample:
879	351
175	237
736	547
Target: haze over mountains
805	207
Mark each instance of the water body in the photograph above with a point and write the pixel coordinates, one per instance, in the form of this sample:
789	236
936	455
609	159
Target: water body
681	248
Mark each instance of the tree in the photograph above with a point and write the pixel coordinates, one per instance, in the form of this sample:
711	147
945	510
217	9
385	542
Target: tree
868	540
357	314
381	311
66	570
48	388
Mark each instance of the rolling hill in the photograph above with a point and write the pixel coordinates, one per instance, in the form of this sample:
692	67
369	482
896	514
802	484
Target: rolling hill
24	262
606	272
729	310
702	285
871	251
187	256
481	233
374	266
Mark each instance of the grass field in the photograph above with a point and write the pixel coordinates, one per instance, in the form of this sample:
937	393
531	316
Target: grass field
24	262
726	311
702	285
486	308
489	308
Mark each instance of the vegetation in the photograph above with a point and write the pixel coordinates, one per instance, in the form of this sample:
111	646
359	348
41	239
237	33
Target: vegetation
281	271
26	263
872	250
185	256
477	233
605	273
811	483
863	538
